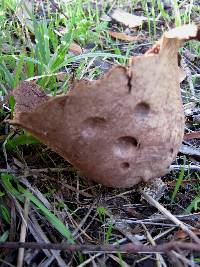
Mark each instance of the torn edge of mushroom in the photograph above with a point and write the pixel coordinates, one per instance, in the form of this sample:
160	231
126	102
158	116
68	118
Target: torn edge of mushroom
175	37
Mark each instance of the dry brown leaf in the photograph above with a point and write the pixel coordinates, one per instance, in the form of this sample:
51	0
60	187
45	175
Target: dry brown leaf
75	48
180	234
127	19
123	36
122	129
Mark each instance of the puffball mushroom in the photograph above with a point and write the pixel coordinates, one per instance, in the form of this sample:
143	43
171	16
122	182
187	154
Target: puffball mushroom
122	129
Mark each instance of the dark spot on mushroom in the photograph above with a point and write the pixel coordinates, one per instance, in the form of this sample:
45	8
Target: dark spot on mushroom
129	81
125	165
142	109
91	126
171	150
62	102
125	146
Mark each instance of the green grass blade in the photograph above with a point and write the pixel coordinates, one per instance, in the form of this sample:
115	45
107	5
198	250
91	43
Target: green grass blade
50	216
5	213
178	183
108	233
21	193
22	139
193	205
4	236
18	71
8	76
72	59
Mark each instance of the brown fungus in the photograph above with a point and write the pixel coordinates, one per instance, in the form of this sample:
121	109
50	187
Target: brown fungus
122	129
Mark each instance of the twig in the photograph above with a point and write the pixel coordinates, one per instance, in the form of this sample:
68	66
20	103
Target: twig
162	234
186	167
157	218
168	214
146	222
84	248
189	150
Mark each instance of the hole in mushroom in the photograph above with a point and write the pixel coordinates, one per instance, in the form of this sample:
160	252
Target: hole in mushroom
142	109
125	146
125	165
94	121
127	141
91	126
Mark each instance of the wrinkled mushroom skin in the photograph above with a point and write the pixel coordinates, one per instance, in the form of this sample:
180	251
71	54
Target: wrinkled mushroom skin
122	129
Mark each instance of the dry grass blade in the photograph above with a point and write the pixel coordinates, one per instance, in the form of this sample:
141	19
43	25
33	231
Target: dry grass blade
37	193
183	260
159	259
118	260
122	226
81	224
170	216
99	254
43	238
23	233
